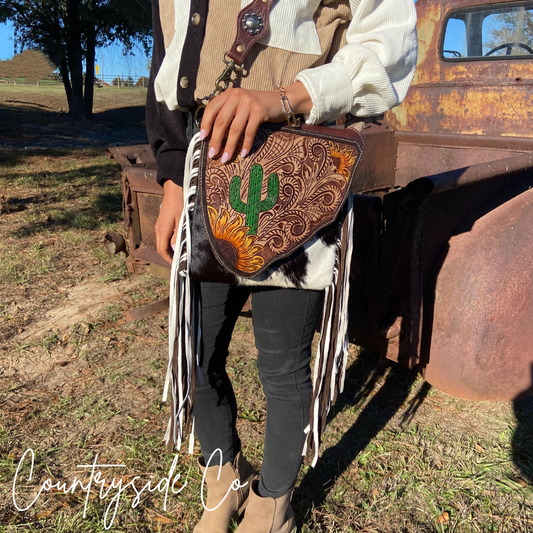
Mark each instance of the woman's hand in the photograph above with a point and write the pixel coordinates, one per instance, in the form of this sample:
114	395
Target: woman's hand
240	111
166	227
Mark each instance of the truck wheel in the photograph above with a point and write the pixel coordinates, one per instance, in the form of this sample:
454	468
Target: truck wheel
481	345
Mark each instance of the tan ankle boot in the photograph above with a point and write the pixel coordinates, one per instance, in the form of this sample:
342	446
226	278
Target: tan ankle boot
219	520
267	515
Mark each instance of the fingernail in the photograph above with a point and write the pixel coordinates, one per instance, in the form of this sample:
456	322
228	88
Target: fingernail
202	135
225	158
211	152
244	153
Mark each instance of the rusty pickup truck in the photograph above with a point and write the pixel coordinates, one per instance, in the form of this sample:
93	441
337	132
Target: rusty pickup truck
442	275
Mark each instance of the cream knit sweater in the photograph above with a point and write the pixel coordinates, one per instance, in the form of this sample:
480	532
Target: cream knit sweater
353	56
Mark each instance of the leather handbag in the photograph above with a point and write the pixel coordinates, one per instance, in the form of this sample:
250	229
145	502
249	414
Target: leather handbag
275	217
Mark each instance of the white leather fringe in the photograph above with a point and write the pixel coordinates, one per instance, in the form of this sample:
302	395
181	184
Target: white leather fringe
185	328
182	311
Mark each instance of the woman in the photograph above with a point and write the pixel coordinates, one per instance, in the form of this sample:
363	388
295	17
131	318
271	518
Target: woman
333	57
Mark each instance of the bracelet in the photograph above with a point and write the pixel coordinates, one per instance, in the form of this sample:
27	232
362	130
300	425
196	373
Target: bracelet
292	119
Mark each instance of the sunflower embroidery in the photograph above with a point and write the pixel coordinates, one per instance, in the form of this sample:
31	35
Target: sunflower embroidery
234	242
343	159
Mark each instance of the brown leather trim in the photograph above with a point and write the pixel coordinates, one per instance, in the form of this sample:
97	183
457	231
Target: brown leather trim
245	39
331	133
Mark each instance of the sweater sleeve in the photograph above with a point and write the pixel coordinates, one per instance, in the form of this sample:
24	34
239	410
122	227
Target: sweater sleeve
166	129
373	71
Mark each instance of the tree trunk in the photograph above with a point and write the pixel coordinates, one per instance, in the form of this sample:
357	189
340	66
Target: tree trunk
63	70
75	58
89	71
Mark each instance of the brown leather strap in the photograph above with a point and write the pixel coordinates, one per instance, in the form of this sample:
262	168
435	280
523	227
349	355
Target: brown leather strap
252	26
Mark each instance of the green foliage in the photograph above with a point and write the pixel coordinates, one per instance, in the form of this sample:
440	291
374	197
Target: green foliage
142	82
5	12
111	20
514	26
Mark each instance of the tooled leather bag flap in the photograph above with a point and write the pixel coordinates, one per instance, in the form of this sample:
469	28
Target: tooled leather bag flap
260	209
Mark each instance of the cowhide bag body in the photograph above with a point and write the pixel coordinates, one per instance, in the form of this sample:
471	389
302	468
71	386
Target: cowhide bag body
275	217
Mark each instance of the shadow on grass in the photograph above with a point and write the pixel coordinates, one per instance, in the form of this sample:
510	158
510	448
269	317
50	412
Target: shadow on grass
107	209
28	125
28	105
12	158
24	116
522	443
99	175
99	182
361	380
116	117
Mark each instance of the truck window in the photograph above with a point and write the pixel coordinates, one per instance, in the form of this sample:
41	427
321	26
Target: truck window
499	31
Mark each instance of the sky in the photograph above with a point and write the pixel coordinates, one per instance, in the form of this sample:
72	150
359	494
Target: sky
114	61
112	57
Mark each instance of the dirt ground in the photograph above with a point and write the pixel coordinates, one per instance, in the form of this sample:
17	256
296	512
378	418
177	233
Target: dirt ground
79	383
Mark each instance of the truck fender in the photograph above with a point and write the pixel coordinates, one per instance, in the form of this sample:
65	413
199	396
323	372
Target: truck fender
481	321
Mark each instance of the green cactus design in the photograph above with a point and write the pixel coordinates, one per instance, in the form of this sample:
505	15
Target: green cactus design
255	205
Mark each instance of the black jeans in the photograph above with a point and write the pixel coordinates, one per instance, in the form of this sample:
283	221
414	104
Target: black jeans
284	323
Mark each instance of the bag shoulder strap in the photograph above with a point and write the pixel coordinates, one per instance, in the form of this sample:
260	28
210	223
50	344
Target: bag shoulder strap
252	25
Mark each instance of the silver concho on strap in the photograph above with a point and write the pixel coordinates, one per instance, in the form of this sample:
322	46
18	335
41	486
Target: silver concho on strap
253	23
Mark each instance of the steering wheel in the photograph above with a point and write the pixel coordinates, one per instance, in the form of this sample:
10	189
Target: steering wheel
509	47
454	53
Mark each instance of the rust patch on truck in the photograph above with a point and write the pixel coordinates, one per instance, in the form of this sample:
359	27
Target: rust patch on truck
474	97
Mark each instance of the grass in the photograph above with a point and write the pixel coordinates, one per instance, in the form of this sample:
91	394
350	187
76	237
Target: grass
398	455
20	267
53	96
53	203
